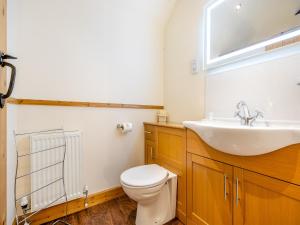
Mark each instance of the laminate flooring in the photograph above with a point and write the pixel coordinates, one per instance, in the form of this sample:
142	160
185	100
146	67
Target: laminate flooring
120	211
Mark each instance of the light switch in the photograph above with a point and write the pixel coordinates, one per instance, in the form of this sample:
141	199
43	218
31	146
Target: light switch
195	66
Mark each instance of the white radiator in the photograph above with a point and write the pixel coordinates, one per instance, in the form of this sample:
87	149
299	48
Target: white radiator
49	165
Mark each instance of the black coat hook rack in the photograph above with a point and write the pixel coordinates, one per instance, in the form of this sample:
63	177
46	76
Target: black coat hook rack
3	63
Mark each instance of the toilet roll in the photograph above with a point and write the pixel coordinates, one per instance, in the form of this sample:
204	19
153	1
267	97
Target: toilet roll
125	127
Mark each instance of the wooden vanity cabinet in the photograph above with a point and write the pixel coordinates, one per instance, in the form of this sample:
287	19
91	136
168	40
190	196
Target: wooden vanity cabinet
215	188
165	145
252	198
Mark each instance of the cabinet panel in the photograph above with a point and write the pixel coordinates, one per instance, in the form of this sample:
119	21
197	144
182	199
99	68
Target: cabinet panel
209	191
181	198
167	147
171	154
263	200
171	147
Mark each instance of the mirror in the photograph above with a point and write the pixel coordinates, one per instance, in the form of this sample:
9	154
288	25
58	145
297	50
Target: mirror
239	29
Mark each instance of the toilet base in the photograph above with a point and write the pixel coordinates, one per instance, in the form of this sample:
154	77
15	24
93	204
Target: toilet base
159	210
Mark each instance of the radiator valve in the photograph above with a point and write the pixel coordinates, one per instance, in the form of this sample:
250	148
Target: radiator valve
86	193
24	204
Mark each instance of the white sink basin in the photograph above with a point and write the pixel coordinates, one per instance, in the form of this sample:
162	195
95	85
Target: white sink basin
230	137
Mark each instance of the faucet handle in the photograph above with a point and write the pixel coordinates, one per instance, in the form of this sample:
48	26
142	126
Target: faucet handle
259	114
240	104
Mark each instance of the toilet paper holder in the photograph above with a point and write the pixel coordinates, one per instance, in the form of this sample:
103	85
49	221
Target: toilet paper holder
125	127
120	126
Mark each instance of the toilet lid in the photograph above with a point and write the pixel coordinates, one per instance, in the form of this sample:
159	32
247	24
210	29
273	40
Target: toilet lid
142	176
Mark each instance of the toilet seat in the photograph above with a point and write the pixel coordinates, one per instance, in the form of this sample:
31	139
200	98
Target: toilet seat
144	176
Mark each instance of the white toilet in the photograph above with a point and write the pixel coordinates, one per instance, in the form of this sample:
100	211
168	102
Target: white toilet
154	189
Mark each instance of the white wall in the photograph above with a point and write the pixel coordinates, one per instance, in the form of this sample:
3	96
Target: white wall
95	50
183	92
270	86
106	152
91	50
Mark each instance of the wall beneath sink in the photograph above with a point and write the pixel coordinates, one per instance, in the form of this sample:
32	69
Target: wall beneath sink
270	86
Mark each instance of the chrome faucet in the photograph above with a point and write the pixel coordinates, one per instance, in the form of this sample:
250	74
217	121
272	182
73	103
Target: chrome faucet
246	117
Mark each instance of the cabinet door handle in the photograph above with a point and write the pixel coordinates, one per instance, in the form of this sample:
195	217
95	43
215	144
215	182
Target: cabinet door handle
237	191
225	187
148	132
151	152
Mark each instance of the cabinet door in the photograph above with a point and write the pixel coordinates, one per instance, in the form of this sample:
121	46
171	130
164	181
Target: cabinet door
149	152
209	191
262	200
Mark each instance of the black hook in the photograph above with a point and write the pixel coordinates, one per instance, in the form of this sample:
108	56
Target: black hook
3	97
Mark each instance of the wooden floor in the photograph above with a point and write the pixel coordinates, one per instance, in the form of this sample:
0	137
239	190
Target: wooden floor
120	211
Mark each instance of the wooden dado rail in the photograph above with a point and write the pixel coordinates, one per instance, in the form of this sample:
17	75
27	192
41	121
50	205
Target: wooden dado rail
80	104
